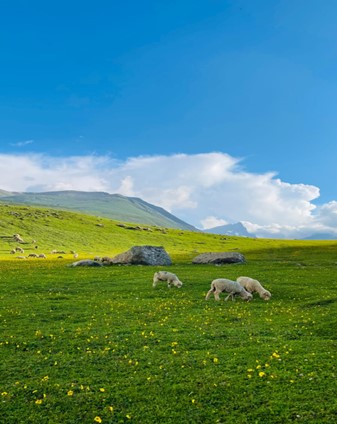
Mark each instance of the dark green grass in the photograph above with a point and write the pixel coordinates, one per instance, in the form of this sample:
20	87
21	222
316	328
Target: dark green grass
84	344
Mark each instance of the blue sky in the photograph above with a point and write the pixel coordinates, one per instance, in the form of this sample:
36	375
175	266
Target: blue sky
112	82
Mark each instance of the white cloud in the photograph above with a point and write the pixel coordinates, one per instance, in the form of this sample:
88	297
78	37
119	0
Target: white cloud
211	222
202	189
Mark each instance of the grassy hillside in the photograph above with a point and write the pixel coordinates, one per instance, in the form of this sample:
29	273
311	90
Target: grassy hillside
44	230
103	346
113	206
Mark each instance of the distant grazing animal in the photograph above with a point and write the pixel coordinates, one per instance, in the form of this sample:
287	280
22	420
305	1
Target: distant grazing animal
172	279
18	238
252	286
232	287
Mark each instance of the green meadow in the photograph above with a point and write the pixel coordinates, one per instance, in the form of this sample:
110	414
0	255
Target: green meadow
101	345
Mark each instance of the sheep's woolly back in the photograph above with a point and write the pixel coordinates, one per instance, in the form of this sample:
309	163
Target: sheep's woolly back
223	284
220	285
252	285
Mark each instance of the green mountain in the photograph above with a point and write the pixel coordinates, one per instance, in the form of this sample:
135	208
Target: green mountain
113	206
50	230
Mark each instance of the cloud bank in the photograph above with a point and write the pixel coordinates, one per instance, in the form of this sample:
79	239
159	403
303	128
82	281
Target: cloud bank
206	189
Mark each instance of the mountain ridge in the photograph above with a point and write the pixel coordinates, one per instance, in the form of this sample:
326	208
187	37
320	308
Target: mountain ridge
100	203
237	229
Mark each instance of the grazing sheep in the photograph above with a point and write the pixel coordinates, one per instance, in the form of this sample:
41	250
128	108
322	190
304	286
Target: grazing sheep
252	286
18	238
19	249
42	255
172	279
32	255
21	257
232	287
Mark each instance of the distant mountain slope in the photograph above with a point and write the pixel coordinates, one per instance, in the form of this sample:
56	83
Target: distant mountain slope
237	229
321	236
113	206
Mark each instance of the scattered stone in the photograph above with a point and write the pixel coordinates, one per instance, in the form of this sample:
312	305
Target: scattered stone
217	258
86	262
143	255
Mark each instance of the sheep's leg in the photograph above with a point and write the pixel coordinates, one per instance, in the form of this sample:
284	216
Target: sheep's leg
216	295
208	294
231	295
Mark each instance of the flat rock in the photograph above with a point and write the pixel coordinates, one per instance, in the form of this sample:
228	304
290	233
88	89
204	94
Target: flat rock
143	255
86	262
219	258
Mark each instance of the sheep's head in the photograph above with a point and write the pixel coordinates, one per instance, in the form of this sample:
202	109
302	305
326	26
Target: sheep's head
266	295
177	283
246	296
249	297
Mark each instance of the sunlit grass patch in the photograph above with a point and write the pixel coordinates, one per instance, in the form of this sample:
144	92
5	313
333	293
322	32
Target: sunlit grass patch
102	345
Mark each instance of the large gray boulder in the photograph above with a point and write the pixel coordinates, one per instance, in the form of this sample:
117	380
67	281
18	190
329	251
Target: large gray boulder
143	255
219	258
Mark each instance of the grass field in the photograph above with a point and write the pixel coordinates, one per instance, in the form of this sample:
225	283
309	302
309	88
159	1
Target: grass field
102	345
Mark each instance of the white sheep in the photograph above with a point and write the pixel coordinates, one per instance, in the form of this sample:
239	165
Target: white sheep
252	286
232	287
172	279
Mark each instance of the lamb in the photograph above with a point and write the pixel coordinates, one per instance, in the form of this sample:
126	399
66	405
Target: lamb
252	286
172	279
18	238
232	287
